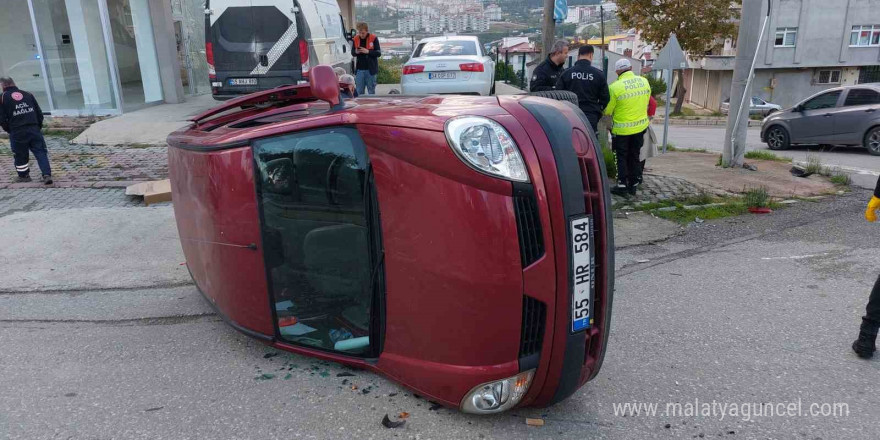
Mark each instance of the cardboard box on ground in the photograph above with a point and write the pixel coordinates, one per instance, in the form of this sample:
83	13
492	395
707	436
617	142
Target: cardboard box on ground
156	191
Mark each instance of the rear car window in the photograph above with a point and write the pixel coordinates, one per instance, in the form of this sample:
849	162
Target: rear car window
862	97
446	48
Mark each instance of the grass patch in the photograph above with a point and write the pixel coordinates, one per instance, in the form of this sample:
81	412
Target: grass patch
765	155
756	117
684	112
684	216
610	162
814	164
66	134
671	147
841	179
757	197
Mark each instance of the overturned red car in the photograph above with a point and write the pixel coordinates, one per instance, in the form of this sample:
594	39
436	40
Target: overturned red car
461	246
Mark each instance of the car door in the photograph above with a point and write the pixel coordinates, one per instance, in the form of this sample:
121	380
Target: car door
815	123
860	106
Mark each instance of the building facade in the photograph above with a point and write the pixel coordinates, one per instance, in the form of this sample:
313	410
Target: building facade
809	46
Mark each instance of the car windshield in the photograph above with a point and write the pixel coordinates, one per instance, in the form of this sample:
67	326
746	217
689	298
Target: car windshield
446	48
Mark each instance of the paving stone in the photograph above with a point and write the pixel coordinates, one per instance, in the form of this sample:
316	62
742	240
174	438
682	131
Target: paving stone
41	199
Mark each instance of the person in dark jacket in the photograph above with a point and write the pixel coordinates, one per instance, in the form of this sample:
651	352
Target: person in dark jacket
22	118
866	344
589	84
545	75
365	47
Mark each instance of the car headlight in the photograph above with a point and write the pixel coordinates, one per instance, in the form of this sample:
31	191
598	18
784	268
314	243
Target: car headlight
486	146
497	396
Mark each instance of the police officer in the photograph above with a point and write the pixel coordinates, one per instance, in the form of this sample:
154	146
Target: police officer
545	75
21	117
628	107
588	83
866	344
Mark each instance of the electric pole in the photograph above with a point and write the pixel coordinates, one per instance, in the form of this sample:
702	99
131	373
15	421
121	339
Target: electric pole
549	29
751	32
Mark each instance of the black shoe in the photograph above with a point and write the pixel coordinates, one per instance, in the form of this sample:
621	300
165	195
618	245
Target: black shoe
619	190
865	346
47	180
24	179
631	190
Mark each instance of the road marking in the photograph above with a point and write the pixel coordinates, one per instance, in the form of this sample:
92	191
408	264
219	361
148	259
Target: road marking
796	257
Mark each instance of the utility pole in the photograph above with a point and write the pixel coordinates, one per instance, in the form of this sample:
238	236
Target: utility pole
751	32
602	43
549	28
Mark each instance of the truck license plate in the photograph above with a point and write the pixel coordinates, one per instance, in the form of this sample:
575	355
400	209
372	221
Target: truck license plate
582	273
243	82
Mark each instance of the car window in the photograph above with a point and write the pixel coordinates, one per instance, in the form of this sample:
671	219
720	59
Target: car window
758	101
862	97
825	100
446	48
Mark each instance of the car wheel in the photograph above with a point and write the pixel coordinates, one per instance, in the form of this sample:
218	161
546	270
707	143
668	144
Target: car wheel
492	89
777	138
559	95
872	141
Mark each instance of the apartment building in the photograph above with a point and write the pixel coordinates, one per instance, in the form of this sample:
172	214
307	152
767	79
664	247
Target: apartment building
809	46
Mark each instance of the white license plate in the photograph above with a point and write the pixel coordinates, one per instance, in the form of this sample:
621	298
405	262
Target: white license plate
582	273
243	82
441	75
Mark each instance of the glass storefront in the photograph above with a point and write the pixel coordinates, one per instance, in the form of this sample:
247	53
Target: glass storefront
81	56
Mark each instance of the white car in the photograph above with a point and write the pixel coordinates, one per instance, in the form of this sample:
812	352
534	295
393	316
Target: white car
448	65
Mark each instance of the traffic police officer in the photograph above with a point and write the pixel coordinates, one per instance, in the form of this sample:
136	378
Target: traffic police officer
588	83
21	117
545	75
628	108
866	344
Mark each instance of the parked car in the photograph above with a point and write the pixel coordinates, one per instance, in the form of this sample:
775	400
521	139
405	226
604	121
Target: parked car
252	46
445	65
757	107
461	246
839	116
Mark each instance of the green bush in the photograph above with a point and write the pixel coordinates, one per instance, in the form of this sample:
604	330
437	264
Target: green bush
658	86
610	162
505	72
765	155
389	72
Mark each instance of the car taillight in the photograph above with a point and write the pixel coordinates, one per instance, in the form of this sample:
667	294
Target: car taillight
304	57
409	70
209	56
471	67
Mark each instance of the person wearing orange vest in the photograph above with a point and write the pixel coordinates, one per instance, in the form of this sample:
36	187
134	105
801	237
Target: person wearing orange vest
365	47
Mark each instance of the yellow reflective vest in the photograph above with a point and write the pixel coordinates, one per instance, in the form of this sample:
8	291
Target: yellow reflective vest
629	104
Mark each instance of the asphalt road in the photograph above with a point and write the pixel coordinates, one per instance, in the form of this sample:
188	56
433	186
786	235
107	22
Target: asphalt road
750	310
712	138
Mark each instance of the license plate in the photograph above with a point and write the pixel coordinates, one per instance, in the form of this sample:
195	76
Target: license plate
582	273
441	75
243	82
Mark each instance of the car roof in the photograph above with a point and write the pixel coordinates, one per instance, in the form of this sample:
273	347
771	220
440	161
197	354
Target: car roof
450	38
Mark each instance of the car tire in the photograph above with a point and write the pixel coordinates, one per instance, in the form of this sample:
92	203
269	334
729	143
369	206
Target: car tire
559	95
872	141
492	89
778	138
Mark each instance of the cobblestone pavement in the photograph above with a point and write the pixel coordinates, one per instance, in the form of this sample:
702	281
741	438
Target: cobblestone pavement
77	165
658	188
41	199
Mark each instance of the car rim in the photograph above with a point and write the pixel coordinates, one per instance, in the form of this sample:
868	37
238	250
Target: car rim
874	141
776	138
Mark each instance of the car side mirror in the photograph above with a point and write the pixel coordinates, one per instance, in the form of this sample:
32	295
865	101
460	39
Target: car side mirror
352	33
798	108
325	85
279	176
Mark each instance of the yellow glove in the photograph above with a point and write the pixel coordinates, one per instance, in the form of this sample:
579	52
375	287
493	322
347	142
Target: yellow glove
871	211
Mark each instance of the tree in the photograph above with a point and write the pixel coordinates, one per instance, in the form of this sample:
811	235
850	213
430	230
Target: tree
696	24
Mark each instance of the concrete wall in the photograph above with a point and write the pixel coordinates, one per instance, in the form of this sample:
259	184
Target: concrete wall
823	33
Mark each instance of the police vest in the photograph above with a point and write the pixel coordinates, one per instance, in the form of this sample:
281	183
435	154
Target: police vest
630	95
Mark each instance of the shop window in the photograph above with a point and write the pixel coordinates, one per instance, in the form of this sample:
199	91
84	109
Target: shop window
786	37
865	36
828	77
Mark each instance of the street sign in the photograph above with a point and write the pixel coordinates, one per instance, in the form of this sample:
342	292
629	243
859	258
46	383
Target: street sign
671	56
560	10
